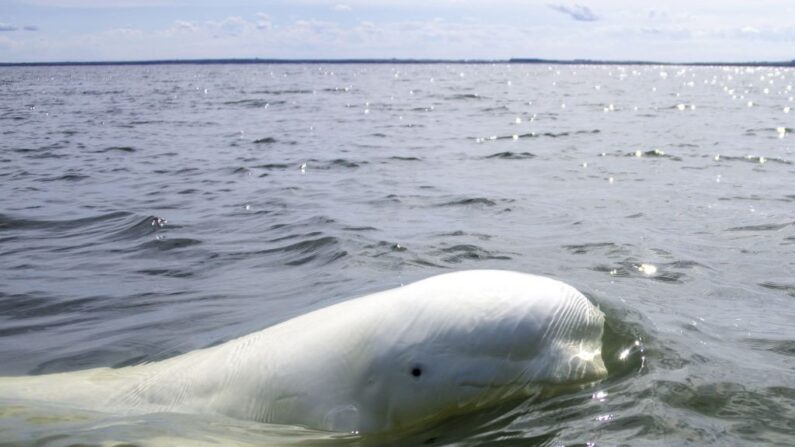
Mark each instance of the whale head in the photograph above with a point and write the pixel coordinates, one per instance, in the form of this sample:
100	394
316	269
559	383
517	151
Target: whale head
463	341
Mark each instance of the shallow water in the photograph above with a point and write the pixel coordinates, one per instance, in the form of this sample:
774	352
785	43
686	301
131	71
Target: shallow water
149	211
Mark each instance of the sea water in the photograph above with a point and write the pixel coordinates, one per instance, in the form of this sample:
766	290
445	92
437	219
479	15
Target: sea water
147	211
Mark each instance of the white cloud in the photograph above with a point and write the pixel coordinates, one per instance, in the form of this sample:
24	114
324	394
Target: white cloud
186	25
342	7
230	26
264	21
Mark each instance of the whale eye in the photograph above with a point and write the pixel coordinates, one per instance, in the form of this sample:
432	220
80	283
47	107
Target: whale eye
416	370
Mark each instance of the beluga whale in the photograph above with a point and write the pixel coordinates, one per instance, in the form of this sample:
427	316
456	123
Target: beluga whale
390	361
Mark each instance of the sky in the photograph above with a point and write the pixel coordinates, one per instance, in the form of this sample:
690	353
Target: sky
672	31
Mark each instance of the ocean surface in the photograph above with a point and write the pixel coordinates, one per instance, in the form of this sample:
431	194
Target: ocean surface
147	211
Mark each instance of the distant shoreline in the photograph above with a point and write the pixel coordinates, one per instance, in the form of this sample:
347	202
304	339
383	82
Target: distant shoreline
392	61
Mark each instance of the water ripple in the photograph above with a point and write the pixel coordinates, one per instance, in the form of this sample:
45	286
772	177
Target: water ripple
762	227
470	201
507	155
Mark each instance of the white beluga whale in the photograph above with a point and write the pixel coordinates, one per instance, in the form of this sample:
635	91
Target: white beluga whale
392	360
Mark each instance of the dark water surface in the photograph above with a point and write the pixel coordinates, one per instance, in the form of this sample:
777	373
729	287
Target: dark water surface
149	211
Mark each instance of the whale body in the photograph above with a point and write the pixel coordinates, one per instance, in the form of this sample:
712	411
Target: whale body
392	360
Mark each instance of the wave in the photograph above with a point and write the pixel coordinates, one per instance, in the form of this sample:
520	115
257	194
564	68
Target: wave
464	96
137	228
471	201
123	149
762	227
271	166
755	159
789	289
64	178
301	242
469	252
653	153
664	272
535	135
508	155
265	140
582	249
254	103
313	163
284	92
172	273
117	232
16	223
324	250
167	244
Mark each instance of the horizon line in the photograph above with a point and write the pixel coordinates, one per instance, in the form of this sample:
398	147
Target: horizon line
518	60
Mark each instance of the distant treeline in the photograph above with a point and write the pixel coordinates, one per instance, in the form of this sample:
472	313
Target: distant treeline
394	61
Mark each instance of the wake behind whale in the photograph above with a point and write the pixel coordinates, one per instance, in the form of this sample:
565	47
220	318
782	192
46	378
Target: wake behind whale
393	360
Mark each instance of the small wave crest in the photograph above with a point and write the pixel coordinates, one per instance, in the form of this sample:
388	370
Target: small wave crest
16	223
120	149
508	155
313	248
460	253
470	201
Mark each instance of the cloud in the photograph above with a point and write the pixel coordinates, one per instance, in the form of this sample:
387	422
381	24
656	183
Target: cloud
668	33
264	21
230	26
10	27
342	7
242	37
185	25
576	12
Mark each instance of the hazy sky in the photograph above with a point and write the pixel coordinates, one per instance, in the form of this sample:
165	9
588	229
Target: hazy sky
678	30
